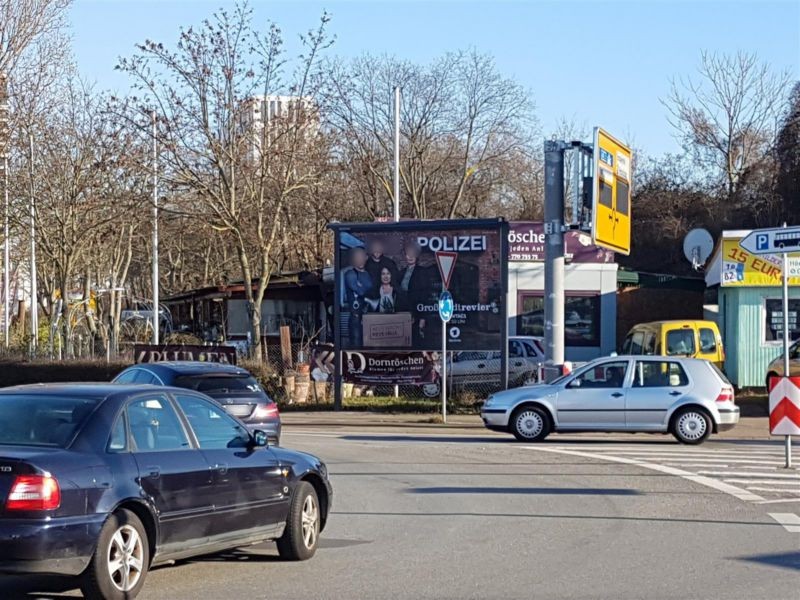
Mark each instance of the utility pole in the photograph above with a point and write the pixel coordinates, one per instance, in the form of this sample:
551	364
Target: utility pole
34	286
554	256
156	313
396	154
397	174
6	261
4	143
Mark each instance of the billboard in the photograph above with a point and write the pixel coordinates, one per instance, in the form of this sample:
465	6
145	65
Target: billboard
740	268
388	285
401	368
526	244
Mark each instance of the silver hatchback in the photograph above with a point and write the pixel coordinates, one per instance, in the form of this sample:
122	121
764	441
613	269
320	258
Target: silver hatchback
686	397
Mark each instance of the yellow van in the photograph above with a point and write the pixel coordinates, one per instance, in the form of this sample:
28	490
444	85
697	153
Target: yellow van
695	339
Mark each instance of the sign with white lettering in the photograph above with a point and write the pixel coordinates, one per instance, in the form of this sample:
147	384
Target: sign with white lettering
393	274
526	244
148	353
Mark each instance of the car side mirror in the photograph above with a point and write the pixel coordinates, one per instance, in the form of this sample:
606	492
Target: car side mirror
575	383
260	439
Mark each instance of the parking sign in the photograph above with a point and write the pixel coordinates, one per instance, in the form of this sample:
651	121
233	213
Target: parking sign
762	241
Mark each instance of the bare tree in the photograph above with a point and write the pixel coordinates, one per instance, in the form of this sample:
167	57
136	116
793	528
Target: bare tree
238	171
460	121
729	115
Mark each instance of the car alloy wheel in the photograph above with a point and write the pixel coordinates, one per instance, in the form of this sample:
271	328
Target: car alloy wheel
692	426
125	558
529	424
310	522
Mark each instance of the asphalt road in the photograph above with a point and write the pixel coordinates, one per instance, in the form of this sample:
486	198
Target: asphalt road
475	515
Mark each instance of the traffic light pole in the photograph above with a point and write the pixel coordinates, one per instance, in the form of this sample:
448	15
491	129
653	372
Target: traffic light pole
554	257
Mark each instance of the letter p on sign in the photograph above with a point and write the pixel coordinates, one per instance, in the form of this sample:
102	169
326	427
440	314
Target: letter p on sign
762	241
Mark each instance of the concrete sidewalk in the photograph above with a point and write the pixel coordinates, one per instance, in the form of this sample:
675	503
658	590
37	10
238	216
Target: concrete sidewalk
751	428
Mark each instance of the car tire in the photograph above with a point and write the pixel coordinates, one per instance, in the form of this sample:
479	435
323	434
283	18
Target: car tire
691	426
122	544
530	424
301	536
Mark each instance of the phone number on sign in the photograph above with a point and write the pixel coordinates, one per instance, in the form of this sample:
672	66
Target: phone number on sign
535	257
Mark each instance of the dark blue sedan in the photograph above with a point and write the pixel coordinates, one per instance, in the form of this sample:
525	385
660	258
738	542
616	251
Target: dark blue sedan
105	481
233	387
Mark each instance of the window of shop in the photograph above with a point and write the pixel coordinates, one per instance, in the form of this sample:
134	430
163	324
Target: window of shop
773	320
581	318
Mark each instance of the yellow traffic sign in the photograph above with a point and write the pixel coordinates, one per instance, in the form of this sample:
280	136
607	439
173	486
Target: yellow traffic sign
611	193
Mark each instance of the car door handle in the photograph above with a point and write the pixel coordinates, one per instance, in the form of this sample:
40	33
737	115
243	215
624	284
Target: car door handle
675	393
617	395
221	468
153	472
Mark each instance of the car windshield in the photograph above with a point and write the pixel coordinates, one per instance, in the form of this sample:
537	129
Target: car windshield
42	420
219	383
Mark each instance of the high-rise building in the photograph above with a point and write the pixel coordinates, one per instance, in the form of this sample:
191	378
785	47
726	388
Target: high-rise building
267	119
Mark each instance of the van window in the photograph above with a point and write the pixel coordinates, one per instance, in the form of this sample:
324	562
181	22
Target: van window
680	342
626	345
708	341
650	344
637	342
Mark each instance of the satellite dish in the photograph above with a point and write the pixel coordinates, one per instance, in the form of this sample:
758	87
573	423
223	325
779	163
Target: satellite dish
697	247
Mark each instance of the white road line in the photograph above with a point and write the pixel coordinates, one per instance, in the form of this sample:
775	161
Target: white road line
762	481
779	501
790	521
734	456
737	461
769	489
750	474
640	449
720	486
677	463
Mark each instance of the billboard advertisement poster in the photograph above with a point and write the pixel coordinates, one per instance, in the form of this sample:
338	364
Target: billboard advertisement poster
740	268
526	244
401	368
388	285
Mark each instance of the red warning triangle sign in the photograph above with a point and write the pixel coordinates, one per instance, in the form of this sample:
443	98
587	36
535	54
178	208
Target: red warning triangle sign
447	263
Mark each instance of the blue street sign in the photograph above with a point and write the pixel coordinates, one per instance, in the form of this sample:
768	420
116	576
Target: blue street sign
772	241
446	306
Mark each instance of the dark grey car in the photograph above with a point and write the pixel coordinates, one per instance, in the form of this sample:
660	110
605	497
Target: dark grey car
233	387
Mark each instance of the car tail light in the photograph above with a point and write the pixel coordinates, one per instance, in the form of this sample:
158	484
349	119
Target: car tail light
725	395
34	492
266	411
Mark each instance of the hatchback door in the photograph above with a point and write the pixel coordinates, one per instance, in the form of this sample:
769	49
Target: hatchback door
173	474
250	490
595	398
657	386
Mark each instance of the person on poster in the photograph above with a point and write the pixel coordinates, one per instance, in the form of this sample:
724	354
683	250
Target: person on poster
384	300
376	263
357	284
415	289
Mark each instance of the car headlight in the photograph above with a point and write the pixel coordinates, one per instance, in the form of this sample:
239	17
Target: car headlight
489	402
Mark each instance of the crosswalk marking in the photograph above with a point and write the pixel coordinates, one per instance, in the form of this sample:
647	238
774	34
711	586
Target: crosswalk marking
790	521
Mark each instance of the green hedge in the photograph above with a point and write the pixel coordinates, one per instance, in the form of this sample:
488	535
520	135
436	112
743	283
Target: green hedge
25	372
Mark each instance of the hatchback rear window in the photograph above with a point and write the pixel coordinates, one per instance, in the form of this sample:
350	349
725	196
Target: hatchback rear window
42	420
218	383
680	342
719	372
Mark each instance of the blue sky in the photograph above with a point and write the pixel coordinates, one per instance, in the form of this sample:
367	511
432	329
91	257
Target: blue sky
598	63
